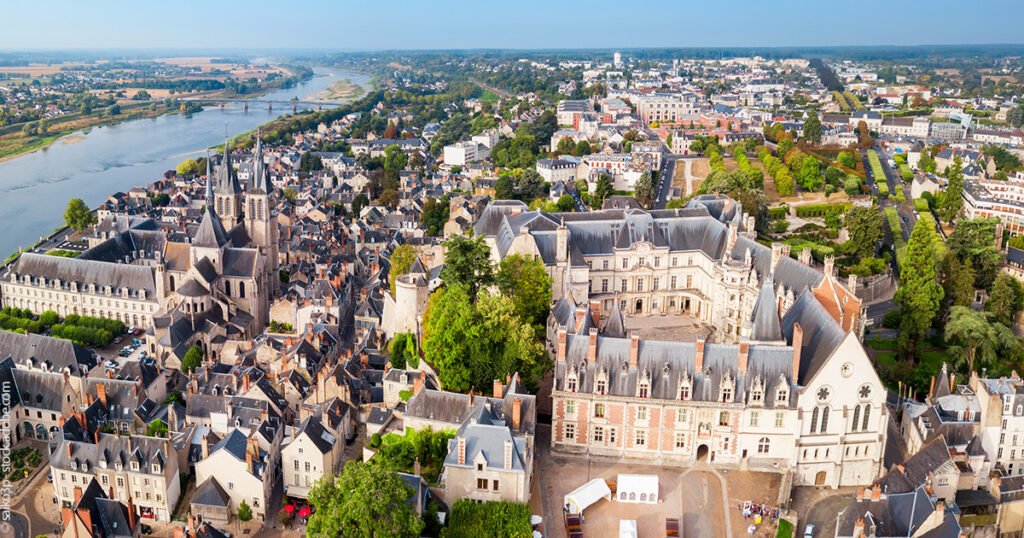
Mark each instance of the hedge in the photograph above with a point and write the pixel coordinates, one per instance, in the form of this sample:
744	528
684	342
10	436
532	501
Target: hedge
843	105
79	334
780	212
892	217
921	205
111	325
469	519
883	188
819	210
876	165
905	172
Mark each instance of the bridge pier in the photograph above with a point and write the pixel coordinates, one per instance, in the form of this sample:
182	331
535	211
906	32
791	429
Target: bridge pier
270	106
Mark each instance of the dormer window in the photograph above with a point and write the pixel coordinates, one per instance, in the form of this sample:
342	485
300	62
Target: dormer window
684	387
601	386
781	395
757	391
570	382
643	389
135	466
728	385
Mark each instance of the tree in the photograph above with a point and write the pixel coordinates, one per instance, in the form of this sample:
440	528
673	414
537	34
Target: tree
504	189
290	194
1005	299
959	281
974	242
157	428
359	202
565	146
919	295
364	501
402	259
582	148
1015	116
864	225
244	512
527	282
847	159
643	189
953	201
603	188
809	176
927	163
812	127
467	263
193	359
77	215
188	167
403	351
973	339
865	140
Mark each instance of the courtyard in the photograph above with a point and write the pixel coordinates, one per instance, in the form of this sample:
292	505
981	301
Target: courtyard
672	327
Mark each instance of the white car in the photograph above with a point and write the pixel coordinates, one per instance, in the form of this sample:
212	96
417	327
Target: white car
809	531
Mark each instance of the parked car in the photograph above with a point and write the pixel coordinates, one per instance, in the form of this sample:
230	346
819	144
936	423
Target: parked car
117	340
110	364
146	529
809	531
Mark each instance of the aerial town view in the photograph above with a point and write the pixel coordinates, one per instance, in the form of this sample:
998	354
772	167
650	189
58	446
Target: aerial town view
543	269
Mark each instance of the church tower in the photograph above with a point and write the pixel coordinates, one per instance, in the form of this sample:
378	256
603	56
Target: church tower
259	223
228	194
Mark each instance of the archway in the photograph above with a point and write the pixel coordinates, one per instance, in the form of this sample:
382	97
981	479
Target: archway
639	306
819	479
28	430
41	432
702	453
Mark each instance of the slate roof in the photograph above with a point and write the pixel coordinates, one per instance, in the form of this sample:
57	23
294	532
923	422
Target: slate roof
55	353
897	515
85	271
210	493
211	232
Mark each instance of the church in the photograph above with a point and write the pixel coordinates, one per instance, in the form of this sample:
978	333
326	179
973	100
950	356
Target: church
187	283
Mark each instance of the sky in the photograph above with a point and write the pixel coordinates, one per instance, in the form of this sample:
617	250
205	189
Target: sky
346	25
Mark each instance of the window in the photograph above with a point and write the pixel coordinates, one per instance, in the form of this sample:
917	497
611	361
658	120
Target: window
680	440
570	384
672	282
824	420
611	436
675	261
625	264
601	386
640	439
689	281
640	284
570	431
856	418
642	261
727	394
481	483
604	264
657	261
570	407
657	281
763	445
296	465
682	415
604	285
241	290
641	412
779	418
598	434
625	285
494	485
307	466
723	418
479	467
867	417
754	418
227	288
814	420
644	389
599	410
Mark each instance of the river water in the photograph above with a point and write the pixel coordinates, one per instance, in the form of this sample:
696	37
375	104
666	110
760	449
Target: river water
35	188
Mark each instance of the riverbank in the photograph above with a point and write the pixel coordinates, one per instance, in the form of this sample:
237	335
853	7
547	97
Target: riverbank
343	91
17	144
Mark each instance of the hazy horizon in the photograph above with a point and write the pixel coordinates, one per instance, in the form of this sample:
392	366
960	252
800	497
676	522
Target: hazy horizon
323	26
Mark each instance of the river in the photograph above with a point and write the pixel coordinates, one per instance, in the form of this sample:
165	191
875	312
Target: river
36	187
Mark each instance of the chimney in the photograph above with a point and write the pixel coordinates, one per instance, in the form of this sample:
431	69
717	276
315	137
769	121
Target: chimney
206	447
78	494
60	421
498	388
744	352
876	493
931	388
562	343
860	494
416	467
698	365
776	255
508	454
805	256
830	262
517	411
798	343
71	448
595	311
858	528
851	282
592	346
581	315
462	450
245	383
634	350
952	382
191	525
131	512
248	460
417	383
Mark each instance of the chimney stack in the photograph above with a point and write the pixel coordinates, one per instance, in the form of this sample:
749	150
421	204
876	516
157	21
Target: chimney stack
101	392
798	343
858	528
417	383
876	493
131	512
595	312
699	355
78	494
205	447
245	383
581	315
517	411
562	343
416	467
508	454
592	346
744	353
499	389
462	450
634	350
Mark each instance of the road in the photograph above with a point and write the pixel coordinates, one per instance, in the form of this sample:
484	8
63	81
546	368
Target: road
668	167
492	89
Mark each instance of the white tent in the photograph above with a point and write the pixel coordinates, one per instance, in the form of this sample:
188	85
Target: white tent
627	528
637	488
579	499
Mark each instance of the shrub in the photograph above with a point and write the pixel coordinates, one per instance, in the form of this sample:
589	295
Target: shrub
470	519
892	319
819	210
921	204
778	212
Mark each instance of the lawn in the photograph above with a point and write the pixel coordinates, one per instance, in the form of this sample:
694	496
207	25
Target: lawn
785	529
882	344
489	97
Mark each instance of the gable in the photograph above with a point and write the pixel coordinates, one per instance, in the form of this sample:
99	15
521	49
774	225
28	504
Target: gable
845	385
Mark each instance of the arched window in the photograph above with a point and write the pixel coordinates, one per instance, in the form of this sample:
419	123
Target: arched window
814	420
227	288
824	420
856	418
867	416
763	445
172	283
241	290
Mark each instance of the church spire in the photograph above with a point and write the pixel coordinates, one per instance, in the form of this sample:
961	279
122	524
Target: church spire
209	181
228	184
